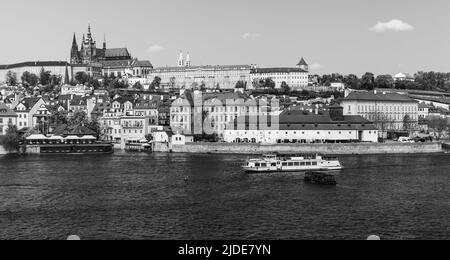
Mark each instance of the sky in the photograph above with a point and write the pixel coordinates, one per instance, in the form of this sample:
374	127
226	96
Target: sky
343	36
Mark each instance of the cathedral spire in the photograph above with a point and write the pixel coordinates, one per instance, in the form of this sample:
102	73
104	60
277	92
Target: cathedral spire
74	42
104	41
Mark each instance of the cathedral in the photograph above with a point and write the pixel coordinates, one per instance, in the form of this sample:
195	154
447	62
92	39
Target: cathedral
89	53
116	62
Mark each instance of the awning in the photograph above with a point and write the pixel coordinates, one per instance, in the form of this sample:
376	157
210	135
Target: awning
88	137
56	137
37	137
72	137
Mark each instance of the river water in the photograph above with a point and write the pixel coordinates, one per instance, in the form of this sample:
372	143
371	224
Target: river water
146	196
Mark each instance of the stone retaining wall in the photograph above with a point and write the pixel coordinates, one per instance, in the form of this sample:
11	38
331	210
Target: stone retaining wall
358	148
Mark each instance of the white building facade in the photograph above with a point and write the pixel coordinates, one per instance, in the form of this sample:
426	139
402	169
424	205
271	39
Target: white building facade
390	112
301	127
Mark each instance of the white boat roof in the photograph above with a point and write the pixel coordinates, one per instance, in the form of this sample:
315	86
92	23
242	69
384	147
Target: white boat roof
88	137
73	137
37	137
56	137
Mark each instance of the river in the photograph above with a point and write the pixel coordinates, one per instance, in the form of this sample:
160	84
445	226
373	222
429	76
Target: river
146	196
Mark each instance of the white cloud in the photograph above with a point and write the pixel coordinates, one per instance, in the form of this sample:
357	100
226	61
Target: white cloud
315	66
393	25
155	48
248	36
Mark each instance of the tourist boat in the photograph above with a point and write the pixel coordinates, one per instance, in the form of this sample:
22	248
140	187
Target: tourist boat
291	163
321	178
40	144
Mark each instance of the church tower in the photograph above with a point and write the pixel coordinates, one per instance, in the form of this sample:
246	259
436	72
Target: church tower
303	65
89	48
74	54
181	60
188	60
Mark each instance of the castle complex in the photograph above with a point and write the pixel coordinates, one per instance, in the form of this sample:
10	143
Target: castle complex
114	62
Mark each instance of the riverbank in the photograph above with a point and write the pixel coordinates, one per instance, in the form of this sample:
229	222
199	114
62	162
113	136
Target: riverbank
332	149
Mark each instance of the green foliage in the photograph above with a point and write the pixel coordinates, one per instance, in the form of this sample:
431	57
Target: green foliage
44	77
138	86
149	137
29	79
368	81
58	117
285	88
156	83
10	141
352	81
82	77
384	81
438	125
11	78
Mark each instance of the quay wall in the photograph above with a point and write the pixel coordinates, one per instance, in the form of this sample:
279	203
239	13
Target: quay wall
332	149
446	146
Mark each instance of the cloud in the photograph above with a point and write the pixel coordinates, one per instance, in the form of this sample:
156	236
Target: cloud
315	66
249	36
155	48
393	25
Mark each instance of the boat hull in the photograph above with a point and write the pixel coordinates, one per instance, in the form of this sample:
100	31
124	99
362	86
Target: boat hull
256	170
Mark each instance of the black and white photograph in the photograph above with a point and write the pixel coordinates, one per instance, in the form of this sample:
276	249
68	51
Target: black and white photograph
207	121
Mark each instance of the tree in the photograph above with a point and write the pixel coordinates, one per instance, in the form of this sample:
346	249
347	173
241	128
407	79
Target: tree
11	78
10	141
438	125
82	77
285	87
269	84
58	117
368	81
138	86
407	85
29	79
55	80
407	123
384	81
352	81
79	117
156	83
44	77
149	137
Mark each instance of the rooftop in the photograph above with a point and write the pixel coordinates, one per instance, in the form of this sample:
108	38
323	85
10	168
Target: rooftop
377	96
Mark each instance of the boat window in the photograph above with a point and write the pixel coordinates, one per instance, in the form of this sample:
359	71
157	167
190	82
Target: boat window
285	164
314	163
257	164
308	163
263	164
291	164
302	164
296	164
273	165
